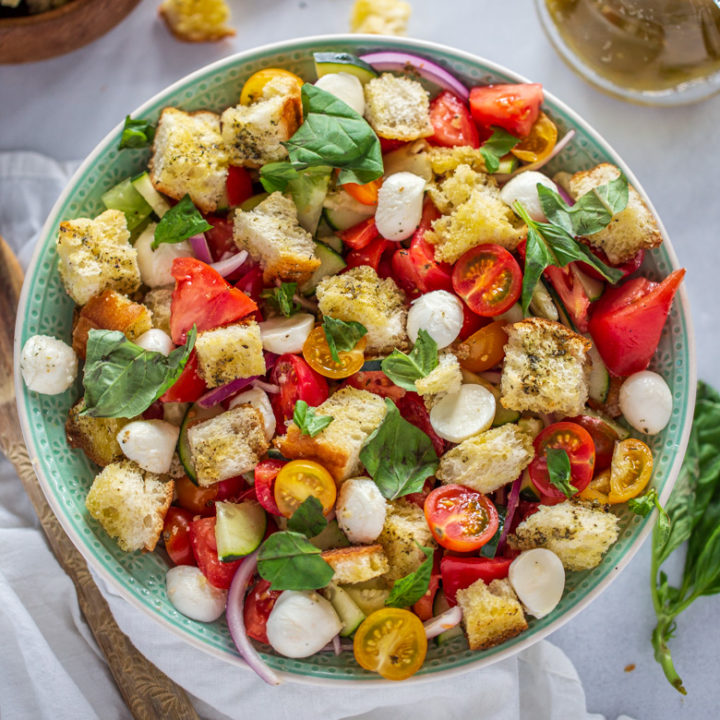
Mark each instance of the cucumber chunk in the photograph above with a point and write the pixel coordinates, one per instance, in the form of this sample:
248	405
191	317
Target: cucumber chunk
152	197
528	491
239	529
349	613
440	605
308	192
593	288
508	164
253	202
330	264
331	537
342	211
599	383
332	62
367	599
193	415
126	198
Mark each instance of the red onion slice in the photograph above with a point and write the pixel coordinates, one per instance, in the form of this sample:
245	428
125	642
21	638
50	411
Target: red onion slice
391	60
513	501
218	394
200	247
440	623
267	387
337	647
230	264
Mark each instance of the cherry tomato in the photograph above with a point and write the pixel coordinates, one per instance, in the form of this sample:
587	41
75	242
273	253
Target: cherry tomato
488	279
366	194
579	446
376	381
176	535
514	107
459	573
265	473
297	381
317	353
603	436
370	255
299	479
452	122
361	235
412	408
572	293
423	608
238	185
201	500
255	84
472	322
204	546
460	519
391	642
631	469
539	143
485	348
259	603
189	386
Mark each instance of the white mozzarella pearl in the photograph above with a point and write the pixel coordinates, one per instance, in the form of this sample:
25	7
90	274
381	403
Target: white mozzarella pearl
156	340
523	188
538	578
192	595
360	510
646	402
155	265
260	401
149	443
286	334
345	87
459	415
439	313
48	365
399	208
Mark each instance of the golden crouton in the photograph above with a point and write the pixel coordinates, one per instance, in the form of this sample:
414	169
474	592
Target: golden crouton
197	20
357	563
444	160
230	352
398	108
158	301
380	17
446	377
96	437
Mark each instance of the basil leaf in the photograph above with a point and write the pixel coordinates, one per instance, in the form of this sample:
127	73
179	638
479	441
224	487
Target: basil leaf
309	423
409	589
308	519
489	549
342	336
179	223
290	562
136	133
334	134
558	465
498	144
398	456
404	369
275	176
537	258
282	298
122	379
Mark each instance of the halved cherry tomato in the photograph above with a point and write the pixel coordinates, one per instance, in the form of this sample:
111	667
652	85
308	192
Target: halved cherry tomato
575	440
176	535
299	479
189	386
603	436
317	353
630	472
391	642
297	381
484	349
514	107
265	473
220	236
412	408
366	194
204	546
488	279
539	143
255	84
370	255
259	603
201	500
572	293
423	608
452	122
361	235
459	573
460	519
376	381
238	185
432	274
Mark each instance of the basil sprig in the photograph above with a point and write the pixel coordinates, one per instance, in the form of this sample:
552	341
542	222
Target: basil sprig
307	421
409	589
498	144
136	133
648	502
179	223
342	336
282	176
559	470
289	561
282	298
308	519
122	379
404	369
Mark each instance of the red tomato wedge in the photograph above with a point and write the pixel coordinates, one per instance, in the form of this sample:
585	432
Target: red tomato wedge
238	185
176	536
258	606
361	235
452	122
458	573
220	236
572	293
265	473
369	255
189	386
514	108
204	545
377	382
297	381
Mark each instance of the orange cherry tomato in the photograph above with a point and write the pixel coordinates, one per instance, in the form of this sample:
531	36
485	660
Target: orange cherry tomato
630	472
316	352
539	143
300	479
391	642
366	194
484	349
255	84
598	488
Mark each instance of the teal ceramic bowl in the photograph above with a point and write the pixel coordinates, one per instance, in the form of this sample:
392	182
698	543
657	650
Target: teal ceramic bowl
66	474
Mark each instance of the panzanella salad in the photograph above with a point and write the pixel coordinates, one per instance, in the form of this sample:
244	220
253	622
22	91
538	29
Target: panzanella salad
369	375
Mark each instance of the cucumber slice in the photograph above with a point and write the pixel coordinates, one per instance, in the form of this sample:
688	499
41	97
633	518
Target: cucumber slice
308	192
367	599
330	264
193	415
593	288
331	537
331	62
527	490
599	383
349	613
440	605
253	202
239	529
126	198
342	211
508	164
541	304
152	197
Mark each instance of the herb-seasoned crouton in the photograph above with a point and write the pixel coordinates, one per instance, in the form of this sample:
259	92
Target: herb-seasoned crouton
446	377
189	157
158	302
253	133
444	160
227	445
95	255
492	613
357	563
272	235
96	437
130	503
488	460
398	108
631	230
230	352
356	414
360	295
545	369
380	17
197	20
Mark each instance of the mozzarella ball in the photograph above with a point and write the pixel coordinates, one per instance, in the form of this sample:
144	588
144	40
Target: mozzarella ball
345	87
156	340
259	399
523	188
192	595
399	208
286	334
155	265
439	313
646	402
457	416
48	365
538	578
301	623
149	443
360	510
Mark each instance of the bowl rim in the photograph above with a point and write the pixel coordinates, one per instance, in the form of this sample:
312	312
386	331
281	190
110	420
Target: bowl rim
409	44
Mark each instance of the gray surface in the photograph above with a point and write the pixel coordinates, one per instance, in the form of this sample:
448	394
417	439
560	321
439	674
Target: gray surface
63	107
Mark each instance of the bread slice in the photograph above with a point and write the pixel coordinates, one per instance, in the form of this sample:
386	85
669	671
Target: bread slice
230	352
96	437
158	302
398	108
357	563
405	528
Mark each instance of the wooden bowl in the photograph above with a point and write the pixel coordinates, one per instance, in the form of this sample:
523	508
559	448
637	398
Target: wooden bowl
58	31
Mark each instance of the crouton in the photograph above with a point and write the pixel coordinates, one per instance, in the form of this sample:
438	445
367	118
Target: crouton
272	235
130	503
95	255
227	445
444	160
197	20
360	295
158	303
488	460
545	369
380	17
405	528
577	533
96	437
473	214
398	108
253	133
357	563
230	352
189	158
109	311
356	414
492	613
632	230
445	378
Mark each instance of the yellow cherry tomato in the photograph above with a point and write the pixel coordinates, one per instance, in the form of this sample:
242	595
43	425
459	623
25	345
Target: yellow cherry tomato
484	349
300	479
255	84
391	642
316	352
598	488
632	465
539	143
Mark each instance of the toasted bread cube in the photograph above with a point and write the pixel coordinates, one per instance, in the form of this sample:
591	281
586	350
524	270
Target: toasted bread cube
488	460
197	20
356	414
492	613
380	17
159	301
578	534
95	255
227	445
398	108
130	503
272	235
357	563
632	230
189	157
360	295
445	378
96	437
445	160
230	352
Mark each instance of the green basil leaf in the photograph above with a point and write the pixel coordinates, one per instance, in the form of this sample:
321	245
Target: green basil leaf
398	456
537	258
558	465
179	223
404	369
489	549
308	519
122	379
409	589
282	298
498	144
342	336
289	561
309	423
136	133
275	176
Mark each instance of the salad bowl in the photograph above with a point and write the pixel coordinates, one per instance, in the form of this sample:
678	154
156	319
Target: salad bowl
66	474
